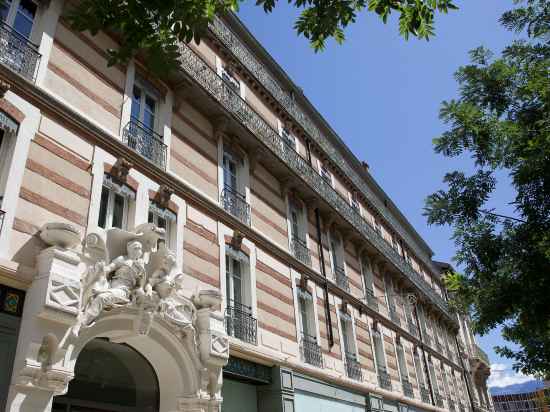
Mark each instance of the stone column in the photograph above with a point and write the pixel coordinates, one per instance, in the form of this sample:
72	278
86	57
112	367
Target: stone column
51	307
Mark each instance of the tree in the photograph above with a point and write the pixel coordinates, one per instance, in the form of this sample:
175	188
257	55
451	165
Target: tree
155	27
502	120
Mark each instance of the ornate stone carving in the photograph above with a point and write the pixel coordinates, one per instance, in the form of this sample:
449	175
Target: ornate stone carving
120	169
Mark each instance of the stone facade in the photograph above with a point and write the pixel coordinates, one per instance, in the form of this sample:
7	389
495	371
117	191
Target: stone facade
210	225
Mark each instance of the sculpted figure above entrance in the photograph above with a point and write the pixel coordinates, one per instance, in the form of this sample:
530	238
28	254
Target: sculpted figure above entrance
126	287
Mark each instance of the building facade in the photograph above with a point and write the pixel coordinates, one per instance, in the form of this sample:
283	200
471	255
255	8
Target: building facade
536	401
203	241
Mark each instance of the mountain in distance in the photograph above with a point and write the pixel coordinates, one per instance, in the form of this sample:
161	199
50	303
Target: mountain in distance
529	386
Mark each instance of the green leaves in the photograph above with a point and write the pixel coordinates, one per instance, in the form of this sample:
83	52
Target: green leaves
501	119
154	27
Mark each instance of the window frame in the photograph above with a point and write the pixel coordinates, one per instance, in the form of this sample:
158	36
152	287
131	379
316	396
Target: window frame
13	9
170	219
109	185
147	91
347	332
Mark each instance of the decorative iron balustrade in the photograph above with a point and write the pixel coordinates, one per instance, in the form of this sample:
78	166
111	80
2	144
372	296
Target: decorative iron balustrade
18	53
425	394
353	367
240	323
480	354
407	388
286	99
235	203
341	279
146	142
300	250
384	379
371	300
214	85
413	329
438	399
394	316
311	351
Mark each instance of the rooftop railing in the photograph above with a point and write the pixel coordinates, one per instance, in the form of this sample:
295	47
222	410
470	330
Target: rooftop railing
18	53
231	101
146	142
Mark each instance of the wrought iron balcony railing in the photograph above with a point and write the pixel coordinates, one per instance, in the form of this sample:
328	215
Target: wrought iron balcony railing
353	367
438	400
146	142
394	316
341	279
300	250
407	388
281	94
371	300
240	323
384	379
235	203
231	101
18	53
425	394
311	351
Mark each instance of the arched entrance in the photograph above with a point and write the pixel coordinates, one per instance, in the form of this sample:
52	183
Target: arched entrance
110	377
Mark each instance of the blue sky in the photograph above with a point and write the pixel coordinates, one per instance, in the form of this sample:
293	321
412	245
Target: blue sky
382	96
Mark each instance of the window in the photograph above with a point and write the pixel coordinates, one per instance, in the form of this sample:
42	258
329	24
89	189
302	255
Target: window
347	334
230	171
384	379
306	315
288	139
165	219
355	202
114	204
239	320
325	174
407	388
227	75
8	132
145	105
19	14
419	370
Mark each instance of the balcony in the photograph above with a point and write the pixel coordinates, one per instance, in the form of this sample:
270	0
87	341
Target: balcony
353	367
311	351
425	394
223	94
240	323
300	251
146	142
371	300
407	388
384	379
394	316
341	279
235	203
262	75
18	53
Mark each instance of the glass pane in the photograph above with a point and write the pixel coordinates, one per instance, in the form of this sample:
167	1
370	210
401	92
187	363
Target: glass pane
102	221
118	211
149	112
303	314
228	280
378	349
24	17
161	222
136	103
237	289
151	218
4	9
